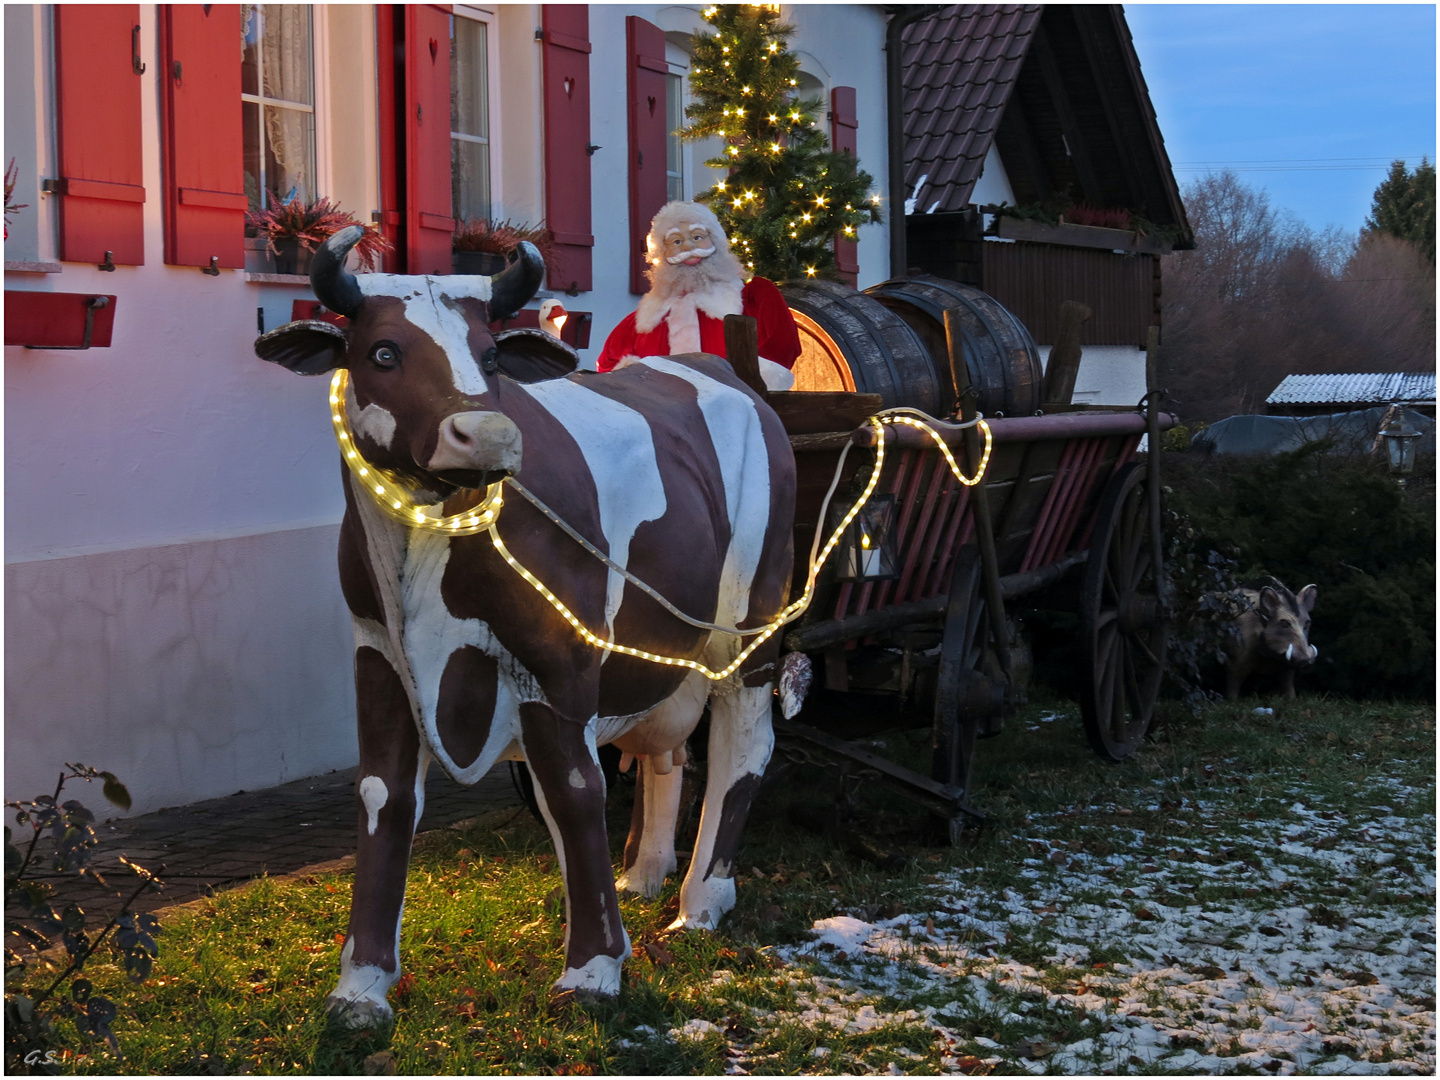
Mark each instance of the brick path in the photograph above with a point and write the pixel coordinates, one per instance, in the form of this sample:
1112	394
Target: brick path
224	842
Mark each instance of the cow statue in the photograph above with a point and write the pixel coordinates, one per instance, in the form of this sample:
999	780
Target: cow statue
673	469
1270	636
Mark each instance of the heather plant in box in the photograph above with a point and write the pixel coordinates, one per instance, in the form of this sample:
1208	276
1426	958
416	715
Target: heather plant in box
309	224
502	237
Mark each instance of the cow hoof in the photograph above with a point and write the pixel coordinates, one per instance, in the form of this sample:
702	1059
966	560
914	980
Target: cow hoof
359	1012
647	881
703	906
599	976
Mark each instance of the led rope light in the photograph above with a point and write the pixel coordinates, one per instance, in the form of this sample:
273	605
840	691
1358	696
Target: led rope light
389	491
399	504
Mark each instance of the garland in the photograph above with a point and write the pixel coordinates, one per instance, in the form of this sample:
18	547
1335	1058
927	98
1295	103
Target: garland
391	496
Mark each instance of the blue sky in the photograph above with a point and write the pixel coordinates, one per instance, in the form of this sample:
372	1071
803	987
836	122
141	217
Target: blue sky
1309	101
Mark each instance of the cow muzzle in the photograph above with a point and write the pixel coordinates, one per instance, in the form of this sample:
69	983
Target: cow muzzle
476	442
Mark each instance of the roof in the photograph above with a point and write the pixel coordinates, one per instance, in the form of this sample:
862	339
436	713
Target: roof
959	70
1353	389
1055	89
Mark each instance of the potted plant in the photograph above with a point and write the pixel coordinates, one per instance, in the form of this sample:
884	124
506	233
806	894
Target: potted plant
481	246
293	230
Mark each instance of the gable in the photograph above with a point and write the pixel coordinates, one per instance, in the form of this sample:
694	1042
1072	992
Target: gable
1056	90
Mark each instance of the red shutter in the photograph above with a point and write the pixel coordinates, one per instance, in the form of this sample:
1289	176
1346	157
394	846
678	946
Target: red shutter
390	76
646	73
97	91
200	135
567	143
843	123
428	218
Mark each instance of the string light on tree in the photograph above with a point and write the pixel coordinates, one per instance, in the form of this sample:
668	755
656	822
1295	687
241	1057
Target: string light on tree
796	194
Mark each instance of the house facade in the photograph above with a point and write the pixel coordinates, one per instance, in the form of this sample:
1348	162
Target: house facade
172	611
1034	169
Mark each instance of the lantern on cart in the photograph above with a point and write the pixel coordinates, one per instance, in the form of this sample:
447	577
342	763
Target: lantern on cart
867	549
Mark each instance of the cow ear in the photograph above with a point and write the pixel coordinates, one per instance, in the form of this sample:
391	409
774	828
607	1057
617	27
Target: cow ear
1307	597
1269	602
529	355
306	347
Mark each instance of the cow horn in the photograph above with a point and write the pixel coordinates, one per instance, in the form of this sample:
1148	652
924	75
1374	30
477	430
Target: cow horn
333	285
512	288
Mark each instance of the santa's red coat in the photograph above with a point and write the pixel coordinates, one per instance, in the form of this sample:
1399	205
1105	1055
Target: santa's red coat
778	339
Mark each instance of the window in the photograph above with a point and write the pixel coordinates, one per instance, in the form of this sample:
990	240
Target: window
674	121
277	93
469	118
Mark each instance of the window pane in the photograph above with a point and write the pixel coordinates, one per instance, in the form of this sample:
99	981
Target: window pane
469	78
290	153
285	52
249	49
674	120
469	179
250	122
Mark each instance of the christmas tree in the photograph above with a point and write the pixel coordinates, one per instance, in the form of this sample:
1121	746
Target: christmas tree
787	195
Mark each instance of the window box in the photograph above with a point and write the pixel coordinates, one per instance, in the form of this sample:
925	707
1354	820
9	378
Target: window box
49	320
477	262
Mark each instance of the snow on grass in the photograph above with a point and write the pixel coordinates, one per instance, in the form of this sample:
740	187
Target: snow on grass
1302	940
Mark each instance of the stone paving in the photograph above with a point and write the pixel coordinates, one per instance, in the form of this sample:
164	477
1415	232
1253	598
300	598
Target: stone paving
221	843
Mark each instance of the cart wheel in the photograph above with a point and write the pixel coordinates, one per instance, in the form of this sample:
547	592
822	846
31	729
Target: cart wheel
963	694
1122	623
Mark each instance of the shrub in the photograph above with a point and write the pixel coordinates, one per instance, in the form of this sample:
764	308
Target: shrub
1342	523
35	931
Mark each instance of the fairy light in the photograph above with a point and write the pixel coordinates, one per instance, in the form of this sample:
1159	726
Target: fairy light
406	509
388	490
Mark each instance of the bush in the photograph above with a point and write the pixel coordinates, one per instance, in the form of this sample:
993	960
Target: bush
1342	523
41	940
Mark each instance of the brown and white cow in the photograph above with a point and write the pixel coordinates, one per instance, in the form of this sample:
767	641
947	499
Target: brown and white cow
673	467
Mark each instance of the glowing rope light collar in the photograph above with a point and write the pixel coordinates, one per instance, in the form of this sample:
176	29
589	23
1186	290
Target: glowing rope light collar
390	495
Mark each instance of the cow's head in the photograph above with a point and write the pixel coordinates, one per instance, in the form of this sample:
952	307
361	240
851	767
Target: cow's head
423	366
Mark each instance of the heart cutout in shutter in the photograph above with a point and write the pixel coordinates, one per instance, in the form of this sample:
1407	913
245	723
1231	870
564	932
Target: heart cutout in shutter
651	100
434	49
569	86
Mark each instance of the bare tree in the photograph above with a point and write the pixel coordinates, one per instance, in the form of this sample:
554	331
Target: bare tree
1262	296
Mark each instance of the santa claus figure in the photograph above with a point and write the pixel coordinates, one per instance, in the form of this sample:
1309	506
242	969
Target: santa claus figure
695	281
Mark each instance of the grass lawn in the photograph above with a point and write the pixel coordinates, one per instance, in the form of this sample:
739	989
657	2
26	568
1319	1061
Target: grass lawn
1250	894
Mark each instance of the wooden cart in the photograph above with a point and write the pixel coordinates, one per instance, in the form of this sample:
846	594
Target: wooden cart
1063	495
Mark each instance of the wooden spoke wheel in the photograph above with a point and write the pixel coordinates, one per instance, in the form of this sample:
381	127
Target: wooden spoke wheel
1122	621
969	700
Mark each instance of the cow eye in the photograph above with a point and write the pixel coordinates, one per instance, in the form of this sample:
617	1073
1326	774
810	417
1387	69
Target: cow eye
385	354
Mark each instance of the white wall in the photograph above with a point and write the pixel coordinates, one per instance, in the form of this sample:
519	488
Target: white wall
172	608
1108	375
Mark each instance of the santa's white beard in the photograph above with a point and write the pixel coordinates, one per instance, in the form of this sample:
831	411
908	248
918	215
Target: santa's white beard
678	293
672	279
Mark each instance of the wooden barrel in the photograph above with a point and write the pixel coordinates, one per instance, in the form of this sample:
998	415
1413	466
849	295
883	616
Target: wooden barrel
1000	353
850	341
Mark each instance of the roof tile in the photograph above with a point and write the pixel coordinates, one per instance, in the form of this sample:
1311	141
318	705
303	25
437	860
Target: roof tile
960	66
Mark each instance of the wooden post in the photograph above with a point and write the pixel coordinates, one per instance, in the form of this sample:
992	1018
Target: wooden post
1064	363
742	349
966	396
1153	395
